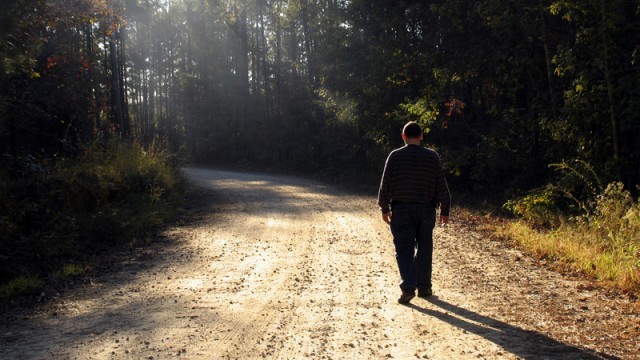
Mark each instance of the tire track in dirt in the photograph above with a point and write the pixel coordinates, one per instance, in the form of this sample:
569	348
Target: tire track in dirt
285	268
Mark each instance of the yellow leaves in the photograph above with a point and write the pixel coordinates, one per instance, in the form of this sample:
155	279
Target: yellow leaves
341	105
632	215
558	7
555	8
426	112
445	76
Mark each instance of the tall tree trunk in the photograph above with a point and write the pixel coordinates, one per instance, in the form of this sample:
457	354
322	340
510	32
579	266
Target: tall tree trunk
547	58
255	60
607	76
243	66
151	118
293	49
151	80
94	114
308	36
146	79
126	121
278	67
172	98
116	101
265	62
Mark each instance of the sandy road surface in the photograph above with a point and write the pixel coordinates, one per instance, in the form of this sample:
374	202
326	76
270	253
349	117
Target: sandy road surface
279	267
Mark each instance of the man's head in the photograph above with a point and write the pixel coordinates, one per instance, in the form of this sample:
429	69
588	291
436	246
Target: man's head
412	133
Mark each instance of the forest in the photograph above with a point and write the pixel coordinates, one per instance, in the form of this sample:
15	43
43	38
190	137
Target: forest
532	103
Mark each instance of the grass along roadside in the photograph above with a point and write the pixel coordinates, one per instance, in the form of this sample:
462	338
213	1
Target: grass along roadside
57	218
603	244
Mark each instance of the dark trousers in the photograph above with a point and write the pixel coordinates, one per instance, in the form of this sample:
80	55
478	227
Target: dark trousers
412	228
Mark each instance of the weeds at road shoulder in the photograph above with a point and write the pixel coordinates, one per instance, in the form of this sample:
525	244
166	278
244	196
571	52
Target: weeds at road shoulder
55	217
604	243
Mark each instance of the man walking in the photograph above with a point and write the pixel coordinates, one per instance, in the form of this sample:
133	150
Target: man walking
412	186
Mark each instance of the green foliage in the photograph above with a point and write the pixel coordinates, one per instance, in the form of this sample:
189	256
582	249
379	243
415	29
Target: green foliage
275	84
573	193
425	113
21	286
338	106
578	183
595	228
603	242
615	222
539	207
54	214
70	270
54	88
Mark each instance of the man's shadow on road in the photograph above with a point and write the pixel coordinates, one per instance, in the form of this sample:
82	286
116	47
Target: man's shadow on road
523	343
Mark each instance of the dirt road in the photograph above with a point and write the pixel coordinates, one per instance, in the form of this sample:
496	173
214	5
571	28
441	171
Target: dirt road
285	268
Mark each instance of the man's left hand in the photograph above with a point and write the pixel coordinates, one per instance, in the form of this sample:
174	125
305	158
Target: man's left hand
387	217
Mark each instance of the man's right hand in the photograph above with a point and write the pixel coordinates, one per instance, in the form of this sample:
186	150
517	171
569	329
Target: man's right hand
387	217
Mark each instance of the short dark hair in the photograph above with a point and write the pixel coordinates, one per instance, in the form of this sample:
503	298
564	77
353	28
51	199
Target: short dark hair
412	130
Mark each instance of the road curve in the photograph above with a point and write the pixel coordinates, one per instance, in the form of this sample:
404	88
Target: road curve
285	268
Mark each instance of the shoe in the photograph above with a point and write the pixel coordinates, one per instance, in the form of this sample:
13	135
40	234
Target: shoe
406	297
424	293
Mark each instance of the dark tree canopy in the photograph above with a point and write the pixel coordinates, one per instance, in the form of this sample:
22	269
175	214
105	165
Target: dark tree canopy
503	88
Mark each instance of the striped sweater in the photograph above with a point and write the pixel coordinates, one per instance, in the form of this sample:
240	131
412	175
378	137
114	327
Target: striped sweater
413	174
